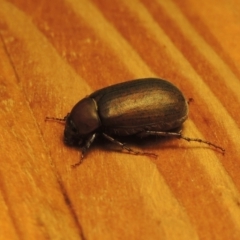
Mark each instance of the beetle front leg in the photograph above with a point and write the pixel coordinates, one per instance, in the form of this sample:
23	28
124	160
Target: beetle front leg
123	145
89	142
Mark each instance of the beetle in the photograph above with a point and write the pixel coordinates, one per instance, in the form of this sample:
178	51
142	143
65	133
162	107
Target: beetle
141	107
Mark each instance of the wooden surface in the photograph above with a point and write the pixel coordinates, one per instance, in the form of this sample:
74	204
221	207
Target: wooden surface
53	53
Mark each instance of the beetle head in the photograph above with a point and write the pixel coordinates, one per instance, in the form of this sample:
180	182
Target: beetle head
82	121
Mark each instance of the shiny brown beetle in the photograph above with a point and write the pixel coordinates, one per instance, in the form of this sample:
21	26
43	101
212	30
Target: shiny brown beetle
141	107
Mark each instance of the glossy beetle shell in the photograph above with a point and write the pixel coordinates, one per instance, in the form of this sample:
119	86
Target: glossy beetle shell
126	109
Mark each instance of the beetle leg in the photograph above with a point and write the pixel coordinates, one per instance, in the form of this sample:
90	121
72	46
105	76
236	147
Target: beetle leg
190	100
89	141
123	145
88	144
179	135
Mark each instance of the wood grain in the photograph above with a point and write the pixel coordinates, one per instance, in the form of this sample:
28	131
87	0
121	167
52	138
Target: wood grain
53	53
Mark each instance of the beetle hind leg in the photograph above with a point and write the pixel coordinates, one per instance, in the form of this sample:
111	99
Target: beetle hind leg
180	136
123	146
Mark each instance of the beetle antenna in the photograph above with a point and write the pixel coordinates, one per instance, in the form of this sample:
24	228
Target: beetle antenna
55	119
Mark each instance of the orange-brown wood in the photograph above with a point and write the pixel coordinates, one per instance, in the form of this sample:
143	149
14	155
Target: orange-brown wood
53	53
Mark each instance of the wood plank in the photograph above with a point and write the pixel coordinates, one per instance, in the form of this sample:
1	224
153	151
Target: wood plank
55	53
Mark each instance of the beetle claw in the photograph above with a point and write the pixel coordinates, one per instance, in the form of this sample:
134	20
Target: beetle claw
79	162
